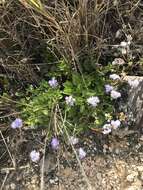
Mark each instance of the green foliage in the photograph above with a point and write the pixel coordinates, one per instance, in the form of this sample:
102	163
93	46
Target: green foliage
81	88
40	104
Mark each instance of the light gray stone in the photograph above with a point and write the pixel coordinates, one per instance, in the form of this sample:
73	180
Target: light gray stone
132	176
135	101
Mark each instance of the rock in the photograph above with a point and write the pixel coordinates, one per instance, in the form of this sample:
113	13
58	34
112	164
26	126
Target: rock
135	101
141	176
99	176
67	172
141	138
132	176
52	181
7	187
136	158
135	186
140	168
121	168
12	186
132	188
117	151
141	157
105	148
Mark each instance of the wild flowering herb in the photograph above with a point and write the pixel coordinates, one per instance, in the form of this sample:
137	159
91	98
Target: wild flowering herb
108	88
133	83
70	100
114	77
115	94
93	101
115	124
17	123
82	153
53	82
55	143
34	156
118	61
73	140
37	108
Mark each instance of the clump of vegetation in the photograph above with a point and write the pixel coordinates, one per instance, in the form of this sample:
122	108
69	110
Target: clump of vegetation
83	101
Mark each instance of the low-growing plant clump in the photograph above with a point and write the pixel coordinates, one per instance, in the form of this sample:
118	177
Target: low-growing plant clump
83	101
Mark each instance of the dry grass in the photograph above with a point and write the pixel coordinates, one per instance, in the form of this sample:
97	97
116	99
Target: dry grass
71	30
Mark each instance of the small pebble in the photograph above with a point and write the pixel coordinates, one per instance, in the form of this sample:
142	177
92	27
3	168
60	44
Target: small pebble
141	177
52	181
140	168
132	176
141	138
12	186
99	176
117	151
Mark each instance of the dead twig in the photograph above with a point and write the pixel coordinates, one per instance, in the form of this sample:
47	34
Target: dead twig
12	159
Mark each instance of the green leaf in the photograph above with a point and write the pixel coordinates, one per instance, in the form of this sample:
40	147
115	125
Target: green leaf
45	112
68	88
76	79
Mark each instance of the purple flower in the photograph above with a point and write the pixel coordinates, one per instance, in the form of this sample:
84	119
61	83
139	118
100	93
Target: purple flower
53	82
82	153
115	124
55	143
17	123
94	100
70	100
34	156
108	88
115	94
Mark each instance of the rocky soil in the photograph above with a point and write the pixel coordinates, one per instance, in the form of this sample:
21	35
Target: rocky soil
112	163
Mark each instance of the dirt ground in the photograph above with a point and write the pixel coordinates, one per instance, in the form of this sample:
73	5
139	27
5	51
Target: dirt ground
112	163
